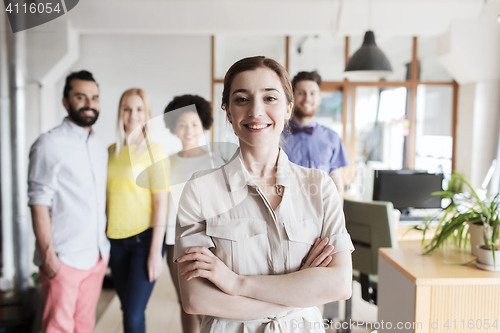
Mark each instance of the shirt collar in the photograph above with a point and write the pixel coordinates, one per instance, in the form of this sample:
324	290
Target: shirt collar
313	124
237	176
78	130
282	174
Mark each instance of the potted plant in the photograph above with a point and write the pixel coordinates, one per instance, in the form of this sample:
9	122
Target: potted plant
464	210
488	253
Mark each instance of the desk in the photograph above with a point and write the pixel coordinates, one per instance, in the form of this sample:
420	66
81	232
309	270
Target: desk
408	237
438	297
412	238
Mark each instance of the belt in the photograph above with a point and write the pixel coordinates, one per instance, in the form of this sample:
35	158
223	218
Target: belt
273	324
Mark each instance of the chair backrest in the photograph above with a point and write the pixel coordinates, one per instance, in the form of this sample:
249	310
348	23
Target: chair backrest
370	226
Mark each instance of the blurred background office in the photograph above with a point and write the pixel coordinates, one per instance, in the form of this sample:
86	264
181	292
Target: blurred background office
438	110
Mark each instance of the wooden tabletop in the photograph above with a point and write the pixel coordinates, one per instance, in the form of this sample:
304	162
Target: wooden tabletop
432	270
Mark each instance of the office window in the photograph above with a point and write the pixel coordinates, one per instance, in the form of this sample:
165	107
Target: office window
329	113
434	141
380	126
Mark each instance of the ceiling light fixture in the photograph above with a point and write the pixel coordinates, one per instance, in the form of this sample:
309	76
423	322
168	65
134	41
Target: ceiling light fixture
369	60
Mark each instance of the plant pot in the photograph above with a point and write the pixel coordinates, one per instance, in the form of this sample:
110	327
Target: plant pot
476	237
485	259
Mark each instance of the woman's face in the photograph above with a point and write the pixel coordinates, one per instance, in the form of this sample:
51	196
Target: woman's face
258	107
133	112
189	129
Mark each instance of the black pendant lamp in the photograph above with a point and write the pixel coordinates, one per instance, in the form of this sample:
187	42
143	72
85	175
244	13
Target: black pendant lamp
368	61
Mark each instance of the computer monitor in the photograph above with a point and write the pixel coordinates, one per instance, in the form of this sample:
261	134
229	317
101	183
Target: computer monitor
408	188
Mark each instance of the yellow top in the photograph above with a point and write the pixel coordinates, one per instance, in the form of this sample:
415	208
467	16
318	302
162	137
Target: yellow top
133	178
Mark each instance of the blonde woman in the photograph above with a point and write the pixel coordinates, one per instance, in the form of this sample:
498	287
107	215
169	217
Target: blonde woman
248	231
136	215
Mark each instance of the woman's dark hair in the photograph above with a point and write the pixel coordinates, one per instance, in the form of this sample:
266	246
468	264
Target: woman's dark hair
81	75
203	108
248	64
306	76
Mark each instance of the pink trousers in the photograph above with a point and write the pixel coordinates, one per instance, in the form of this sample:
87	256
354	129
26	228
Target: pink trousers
71	297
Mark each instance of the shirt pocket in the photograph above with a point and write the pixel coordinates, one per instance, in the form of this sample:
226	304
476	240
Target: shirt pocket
239	242
301	236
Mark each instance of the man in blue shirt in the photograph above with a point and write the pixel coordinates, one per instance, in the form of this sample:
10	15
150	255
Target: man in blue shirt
308	143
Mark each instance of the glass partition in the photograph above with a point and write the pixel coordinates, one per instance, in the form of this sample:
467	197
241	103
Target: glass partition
329	113
434	141
381	126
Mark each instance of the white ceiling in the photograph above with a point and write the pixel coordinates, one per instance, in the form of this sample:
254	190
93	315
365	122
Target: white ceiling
275	17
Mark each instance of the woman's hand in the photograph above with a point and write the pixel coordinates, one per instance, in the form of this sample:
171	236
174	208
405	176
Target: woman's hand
155	265
206	265
320	254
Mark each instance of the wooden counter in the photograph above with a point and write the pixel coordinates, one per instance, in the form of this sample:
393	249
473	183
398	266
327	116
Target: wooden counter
438	297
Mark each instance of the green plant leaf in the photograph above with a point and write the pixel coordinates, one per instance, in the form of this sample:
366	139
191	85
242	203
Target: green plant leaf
463	210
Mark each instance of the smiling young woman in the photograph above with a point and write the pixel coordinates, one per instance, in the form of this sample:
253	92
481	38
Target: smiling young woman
260	241
136	215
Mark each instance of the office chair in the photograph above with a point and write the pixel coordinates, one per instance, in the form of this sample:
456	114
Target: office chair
370	226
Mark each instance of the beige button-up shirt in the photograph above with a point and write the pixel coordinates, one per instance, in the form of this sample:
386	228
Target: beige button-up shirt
224	209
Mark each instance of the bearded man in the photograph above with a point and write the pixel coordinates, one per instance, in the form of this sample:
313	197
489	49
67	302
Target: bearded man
67	196
308	143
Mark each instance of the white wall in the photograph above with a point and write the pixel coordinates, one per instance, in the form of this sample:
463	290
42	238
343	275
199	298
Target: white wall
485	129
52	50
473	49
46	45
464	144
477	129
324	53
164	66
230	48
471	55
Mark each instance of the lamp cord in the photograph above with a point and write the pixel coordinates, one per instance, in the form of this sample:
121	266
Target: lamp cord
369	14
339	16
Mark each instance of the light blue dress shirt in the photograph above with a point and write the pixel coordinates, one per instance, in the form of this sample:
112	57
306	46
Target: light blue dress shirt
323	149
67	173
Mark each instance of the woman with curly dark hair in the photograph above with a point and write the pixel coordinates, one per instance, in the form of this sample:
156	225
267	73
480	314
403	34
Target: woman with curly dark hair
186	116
